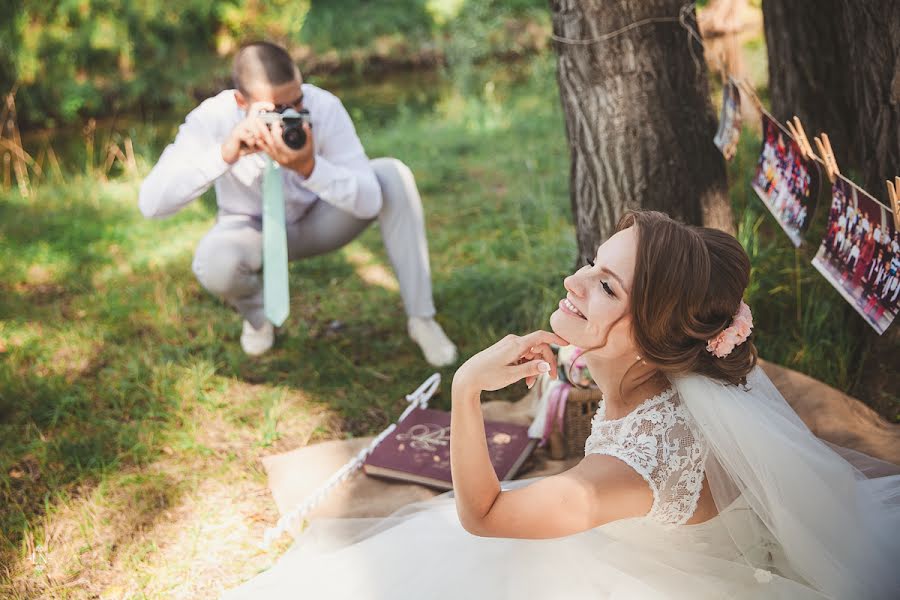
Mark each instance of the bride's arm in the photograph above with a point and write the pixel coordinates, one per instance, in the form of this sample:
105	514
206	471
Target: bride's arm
598	490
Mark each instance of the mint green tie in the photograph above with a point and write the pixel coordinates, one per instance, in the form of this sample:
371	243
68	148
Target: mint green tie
275	258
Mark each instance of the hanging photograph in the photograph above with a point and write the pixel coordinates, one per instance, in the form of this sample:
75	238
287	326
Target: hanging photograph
729	131
787	183
860	254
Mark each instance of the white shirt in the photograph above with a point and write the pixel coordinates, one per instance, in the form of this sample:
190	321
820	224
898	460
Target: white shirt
193	162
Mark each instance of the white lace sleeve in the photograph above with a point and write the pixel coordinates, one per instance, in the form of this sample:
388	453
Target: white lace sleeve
656	440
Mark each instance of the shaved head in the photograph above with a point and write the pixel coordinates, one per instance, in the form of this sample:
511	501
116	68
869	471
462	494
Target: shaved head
262	63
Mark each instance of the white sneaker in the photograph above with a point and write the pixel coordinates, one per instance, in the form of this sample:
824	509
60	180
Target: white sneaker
427	333
257	341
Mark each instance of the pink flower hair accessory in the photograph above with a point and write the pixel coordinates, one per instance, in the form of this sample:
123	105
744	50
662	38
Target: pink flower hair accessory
735	335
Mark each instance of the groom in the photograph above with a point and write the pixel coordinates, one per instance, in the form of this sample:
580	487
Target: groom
332	192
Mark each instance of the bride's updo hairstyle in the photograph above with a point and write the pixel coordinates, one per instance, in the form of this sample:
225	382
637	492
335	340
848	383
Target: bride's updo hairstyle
688	284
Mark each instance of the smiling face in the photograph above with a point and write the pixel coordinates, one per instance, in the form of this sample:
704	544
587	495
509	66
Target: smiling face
596	313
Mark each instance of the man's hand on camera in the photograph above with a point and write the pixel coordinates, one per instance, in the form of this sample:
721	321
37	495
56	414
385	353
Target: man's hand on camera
302	161
246	135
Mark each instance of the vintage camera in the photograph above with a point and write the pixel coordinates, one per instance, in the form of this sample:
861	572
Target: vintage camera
291	125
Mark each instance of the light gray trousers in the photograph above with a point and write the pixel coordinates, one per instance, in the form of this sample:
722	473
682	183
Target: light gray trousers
228	260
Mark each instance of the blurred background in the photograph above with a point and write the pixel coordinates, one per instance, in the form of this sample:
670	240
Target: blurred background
131	423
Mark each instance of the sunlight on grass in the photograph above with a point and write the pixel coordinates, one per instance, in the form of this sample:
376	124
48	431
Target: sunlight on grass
369	268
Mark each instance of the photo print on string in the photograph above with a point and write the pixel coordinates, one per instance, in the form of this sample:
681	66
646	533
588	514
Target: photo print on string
729	132
860	254
786	182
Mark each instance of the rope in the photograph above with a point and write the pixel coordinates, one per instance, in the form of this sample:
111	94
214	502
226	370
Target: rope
683	13
418	399
683	19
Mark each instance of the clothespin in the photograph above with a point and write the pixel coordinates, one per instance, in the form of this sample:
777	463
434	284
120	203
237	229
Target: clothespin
799	134
827	154
894	197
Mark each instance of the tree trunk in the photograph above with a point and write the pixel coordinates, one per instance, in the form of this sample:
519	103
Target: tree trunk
874	88
638	118
836	65
807	50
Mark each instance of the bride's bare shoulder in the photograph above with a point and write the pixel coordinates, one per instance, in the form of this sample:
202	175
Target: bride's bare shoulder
628	492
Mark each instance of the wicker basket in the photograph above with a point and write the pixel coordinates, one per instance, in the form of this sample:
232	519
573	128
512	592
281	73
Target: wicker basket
576	427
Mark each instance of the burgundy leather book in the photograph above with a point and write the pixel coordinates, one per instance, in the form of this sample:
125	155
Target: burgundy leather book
419	449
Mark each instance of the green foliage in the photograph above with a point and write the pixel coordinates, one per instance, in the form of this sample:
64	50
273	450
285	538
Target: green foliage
77	58
100	56
10	41
334	24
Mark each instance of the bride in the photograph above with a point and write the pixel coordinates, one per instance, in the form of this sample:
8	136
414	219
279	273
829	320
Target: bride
698	481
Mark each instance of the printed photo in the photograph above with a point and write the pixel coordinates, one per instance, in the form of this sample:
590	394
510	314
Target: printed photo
729	131
787	183
860	254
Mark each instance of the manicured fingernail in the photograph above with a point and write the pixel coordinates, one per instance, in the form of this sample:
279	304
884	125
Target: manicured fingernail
543	366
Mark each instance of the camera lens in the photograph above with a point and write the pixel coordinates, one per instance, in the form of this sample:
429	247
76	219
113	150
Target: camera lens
294	137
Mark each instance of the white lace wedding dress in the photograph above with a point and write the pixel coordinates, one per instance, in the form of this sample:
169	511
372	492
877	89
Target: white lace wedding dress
422	551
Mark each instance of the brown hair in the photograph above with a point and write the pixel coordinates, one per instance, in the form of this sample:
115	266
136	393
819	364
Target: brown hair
688	284
262	62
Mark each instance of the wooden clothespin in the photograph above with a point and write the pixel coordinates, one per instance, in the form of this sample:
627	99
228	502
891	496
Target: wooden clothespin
894	198
799	134
827	157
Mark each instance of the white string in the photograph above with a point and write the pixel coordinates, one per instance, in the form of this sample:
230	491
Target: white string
684	12
608	36
682	19
812	155
418	399
612	34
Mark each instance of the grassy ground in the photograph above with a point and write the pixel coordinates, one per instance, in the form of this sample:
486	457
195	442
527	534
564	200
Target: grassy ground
131	424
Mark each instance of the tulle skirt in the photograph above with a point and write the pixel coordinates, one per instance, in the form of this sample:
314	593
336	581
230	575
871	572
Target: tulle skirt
423	552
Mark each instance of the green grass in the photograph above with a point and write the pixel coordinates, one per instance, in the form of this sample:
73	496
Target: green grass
123	389
131	423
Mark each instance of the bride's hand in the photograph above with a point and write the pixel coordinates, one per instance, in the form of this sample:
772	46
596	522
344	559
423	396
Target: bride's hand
509	360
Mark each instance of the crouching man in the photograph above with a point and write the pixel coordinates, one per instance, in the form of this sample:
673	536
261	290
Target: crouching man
331	191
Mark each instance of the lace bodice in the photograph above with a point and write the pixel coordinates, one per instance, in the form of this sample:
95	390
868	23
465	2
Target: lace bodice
657	441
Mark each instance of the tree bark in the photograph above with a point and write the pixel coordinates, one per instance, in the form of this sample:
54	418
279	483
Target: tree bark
874	78
836	65
638	118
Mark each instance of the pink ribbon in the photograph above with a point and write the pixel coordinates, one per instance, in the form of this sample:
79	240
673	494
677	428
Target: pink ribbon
556	409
